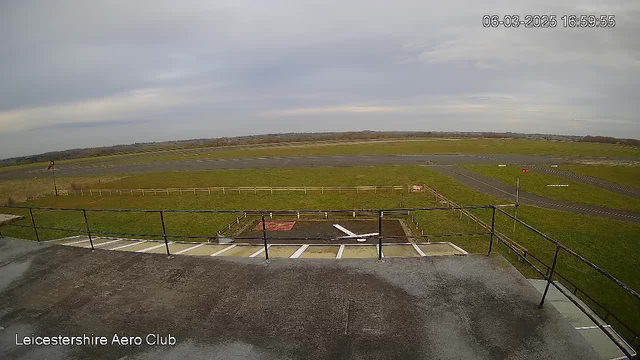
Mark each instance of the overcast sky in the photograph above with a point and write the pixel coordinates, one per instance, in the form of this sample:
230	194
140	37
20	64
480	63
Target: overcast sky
93	73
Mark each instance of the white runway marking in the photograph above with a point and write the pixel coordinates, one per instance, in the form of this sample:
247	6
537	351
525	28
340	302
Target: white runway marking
299	252
153	247
124	246
259	252
102	244
418	250
351	234
188	249
223	250
340	252
76	242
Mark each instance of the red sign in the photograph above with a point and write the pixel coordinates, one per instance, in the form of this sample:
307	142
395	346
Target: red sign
525	170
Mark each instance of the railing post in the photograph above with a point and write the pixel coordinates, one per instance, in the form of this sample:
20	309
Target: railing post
550	278
264	237
33	222
164	233
379	234
86	223
493	229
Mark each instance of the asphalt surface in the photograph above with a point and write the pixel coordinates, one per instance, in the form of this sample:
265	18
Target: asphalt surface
590	180
501	190
471	307
292	162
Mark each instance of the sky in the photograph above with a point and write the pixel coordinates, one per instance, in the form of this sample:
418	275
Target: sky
96	73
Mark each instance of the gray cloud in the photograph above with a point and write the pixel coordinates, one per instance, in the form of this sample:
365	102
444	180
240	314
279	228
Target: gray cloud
77	73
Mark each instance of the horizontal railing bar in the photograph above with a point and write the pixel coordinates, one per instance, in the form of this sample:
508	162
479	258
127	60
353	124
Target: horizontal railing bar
579	257
251	212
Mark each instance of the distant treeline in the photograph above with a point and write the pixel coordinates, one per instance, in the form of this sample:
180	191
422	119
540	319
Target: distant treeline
288	137
610	140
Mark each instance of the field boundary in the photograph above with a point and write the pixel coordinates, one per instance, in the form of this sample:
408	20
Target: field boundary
244	189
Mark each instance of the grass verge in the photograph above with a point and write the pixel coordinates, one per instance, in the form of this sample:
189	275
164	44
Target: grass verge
577	192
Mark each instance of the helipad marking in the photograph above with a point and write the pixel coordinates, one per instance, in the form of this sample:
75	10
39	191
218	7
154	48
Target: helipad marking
223	250
124	246
351	234
153	247
339	256
299	252
188	249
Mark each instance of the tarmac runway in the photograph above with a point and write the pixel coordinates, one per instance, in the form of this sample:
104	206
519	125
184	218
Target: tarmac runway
501	190
444	163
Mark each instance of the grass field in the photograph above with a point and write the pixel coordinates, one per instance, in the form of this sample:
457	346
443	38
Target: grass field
624	175
29	189
536	183
607	243
430	146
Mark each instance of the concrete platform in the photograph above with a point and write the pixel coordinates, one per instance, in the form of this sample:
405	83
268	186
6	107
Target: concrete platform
456	307
603	345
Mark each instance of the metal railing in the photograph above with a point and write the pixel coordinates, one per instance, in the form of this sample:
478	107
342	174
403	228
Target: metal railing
379	213
240	190
550	271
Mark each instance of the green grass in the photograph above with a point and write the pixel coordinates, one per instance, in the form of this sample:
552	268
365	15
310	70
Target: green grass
467	146
343	176
609	244
536	183
624	175
427	146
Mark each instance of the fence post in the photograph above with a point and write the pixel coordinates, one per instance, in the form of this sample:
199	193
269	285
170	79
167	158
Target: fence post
550	279
264	237
86	223
33	222
493	229
164	232
379	234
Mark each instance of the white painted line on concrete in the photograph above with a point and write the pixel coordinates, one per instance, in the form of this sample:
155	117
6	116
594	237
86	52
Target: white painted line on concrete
259	252
223	250
188	249
592	327
343	229
153	247
458	248
66	238
418	250
103	244
340	251
76	242
299	252
124	246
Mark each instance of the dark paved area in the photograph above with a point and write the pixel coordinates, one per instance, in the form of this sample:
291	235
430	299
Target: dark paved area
590	180
501	190
473	307
315	229
293	162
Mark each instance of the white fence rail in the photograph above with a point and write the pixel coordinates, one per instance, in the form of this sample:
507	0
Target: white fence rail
245	189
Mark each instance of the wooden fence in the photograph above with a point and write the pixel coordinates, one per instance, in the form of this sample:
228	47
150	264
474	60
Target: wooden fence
246	189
